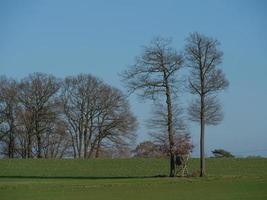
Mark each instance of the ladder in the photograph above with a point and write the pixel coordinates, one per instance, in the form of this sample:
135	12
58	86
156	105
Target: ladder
181	166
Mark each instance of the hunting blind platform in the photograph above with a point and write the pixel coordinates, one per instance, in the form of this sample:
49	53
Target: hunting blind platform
181	165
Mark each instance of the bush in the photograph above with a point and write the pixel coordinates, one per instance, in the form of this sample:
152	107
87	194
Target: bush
221	153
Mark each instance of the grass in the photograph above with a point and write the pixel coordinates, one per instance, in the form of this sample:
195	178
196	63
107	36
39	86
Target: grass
130	179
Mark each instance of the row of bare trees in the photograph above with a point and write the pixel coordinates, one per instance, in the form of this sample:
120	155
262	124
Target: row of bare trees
80	116
156	75
45	117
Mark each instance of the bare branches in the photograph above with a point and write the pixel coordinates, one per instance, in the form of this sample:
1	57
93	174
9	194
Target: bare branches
159	132
154	75
212	112
146	76
205	79
40	116
159	119
96	114
38	109
203	57
215	81
8	108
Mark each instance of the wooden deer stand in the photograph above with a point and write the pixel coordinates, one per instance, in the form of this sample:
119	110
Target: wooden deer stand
181	165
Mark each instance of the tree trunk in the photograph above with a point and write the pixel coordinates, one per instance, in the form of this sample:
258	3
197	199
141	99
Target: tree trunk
170	126
172	165
97	149
92	147
29	146
11	145
85	145
39	146
202	138
24	149
80	145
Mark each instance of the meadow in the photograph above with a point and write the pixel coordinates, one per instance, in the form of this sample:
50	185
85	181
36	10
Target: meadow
129	179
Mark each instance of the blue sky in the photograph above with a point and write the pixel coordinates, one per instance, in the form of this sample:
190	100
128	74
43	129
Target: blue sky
102	38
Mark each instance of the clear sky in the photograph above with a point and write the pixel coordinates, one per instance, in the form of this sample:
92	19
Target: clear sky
64	37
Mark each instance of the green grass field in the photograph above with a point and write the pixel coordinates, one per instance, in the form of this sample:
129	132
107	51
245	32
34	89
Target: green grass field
130	179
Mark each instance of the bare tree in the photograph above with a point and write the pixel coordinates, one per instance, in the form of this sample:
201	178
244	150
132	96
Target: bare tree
153	75
79	97
97	115
37	94
8	107
205	81
116	123
38	118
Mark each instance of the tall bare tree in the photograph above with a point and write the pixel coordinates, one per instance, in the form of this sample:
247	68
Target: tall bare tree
37	94
205	81
8	108
79	97
153	75
96	114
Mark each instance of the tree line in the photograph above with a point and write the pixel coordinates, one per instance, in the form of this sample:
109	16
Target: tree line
82	117
44	117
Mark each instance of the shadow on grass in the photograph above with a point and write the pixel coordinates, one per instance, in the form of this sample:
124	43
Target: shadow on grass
83	177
